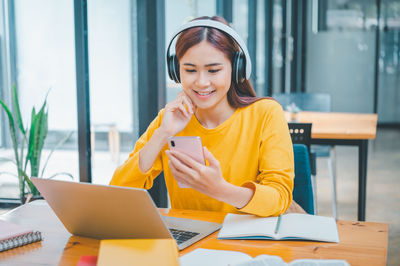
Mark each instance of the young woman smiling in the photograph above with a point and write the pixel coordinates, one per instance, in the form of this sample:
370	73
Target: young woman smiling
246	139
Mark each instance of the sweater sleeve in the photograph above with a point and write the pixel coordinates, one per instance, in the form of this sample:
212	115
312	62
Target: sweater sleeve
274	184
129	173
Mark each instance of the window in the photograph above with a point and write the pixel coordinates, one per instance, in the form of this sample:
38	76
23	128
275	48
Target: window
344	15
45	65
113	90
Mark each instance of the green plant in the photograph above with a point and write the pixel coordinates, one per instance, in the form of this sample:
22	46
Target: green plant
34	137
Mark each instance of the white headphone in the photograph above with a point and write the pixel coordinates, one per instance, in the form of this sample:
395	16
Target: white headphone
241	65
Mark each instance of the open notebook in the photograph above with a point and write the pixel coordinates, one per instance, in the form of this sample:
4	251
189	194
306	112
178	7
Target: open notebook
284	227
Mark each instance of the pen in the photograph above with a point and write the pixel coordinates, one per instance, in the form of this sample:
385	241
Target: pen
278	224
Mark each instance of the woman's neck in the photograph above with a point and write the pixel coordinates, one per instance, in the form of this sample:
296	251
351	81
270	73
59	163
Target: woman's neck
213	117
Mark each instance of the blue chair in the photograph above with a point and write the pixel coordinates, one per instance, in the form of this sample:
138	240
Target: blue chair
301	134
303	191
319	102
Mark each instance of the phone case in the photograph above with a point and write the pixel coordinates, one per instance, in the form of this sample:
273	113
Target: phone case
190	146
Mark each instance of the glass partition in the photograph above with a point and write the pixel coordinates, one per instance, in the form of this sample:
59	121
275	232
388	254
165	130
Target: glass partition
389	63
45	64
240	18
260	53
277	45
341	52
113	90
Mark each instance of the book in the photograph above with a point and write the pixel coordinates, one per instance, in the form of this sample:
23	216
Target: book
291	226
14	235
87	260
211	257
138	252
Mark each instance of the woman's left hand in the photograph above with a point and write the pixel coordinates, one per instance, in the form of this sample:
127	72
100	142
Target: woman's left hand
205	179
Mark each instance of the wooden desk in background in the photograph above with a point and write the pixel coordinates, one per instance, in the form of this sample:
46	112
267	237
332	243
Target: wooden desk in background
361	243
344	129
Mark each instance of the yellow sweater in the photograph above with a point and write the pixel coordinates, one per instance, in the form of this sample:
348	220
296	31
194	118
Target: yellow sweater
254	149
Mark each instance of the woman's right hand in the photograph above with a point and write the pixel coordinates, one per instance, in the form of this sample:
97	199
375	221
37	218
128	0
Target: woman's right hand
177	114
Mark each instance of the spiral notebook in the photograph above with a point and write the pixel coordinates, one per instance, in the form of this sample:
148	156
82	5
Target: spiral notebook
14	235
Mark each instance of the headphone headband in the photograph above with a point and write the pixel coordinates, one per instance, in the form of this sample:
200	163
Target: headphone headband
222	27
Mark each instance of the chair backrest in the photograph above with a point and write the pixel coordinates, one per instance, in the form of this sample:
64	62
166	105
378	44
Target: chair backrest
302	192
300	133
319	102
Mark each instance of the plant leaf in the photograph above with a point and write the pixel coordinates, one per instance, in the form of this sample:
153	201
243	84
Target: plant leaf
59	144
21	159
12	131
32	136
30	141
37	136
62	173
33	114
31	186
42	134
25	141
17	109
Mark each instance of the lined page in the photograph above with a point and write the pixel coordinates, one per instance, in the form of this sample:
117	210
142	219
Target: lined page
241	225
311	227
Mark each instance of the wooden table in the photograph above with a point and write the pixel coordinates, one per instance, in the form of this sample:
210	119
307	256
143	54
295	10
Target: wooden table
361	243
344	129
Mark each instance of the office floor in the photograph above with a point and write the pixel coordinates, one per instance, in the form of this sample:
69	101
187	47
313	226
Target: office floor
383	186
383	197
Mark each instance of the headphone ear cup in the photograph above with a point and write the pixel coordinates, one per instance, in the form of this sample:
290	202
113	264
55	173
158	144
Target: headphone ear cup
169	68
176	67
239	68
173	68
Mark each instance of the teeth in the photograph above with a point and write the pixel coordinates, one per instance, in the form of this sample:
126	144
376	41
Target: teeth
204	93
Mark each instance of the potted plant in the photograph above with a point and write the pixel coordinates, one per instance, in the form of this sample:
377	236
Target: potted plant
33	138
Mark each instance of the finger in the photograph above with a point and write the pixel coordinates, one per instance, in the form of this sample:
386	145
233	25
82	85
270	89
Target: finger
180	176
183	109
177	104
187	160
181	104
176	174
186	100
180	165
172	106
210	157
171	163
191	103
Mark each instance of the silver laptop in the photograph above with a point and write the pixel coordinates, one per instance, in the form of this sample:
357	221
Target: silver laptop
112	212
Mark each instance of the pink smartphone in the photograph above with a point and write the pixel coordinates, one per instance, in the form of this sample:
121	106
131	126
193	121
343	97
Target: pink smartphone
189	145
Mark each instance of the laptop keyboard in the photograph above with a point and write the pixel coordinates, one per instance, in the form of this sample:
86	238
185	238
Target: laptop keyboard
181	235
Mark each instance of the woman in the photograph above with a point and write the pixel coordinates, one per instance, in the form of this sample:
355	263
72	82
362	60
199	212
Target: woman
246	139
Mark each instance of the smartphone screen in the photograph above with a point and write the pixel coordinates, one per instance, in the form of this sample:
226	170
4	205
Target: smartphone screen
188	145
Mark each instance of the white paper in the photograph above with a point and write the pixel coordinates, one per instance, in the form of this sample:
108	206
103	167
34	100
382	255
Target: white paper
210	257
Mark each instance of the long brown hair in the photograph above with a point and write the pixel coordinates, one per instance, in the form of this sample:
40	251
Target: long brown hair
239	95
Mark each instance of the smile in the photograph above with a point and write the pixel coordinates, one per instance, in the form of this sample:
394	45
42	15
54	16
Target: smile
204	93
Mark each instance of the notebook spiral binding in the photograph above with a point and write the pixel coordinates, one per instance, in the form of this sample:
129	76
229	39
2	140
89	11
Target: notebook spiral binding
20	240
